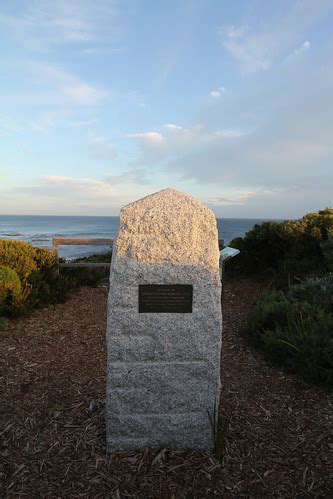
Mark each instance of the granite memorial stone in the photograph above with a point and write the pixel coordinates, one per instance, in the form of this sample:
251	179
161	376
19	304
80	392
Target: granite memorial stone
164	325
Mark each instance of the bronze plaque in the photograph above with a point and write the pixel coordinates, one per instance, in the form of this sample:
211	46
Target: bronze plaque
165	298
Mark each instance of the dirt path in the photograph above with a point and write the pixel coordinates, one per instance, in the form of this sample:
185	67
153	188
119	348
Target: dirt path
53	383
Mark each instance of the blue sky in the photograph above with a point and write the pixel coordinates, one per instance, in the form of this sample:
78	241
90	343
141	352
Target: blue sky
103	102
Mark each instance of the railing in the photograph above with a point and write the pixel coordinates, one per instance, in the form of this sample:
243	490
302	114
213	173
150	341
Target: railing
66	241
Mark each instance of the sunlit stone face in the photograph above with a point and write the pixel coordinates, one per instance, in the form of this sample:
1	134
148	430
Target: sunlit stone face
164	325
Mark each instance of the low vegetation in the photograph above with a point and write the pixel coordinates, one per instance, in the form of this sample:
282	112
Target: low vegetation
30	278
292	324
296	330
286	252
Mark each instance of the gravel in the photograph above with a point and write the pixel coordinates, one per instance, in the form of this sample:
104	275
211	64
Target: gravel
53	363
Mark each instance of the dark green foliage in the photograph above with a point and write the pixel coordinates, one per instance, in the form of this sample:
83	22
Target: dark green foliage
97	258
327	249
295	334
318	291
219	423
285	251
49	286
38	281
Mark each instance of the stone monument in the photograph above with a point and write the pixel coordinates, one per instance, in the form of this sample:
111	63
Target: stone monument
164	325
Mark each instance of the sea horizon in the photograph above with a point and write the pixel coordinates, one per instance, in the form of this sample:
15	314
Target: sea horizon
39	230
115	216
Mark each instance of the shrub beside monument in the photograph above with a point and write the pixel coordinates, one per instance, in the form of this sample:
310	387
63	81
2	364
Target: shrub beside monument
285	252
29	278
292	325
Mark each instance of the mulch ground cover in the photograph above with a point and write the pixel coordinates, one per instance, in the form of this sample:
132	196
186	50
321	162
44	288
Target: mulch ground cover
53	437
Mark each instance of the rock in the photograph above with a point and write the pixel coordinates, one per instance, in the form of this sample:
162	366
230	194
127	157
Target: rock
163	373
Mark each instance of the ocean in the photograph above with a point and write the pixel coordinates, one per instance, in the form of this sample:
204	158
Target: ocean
40	229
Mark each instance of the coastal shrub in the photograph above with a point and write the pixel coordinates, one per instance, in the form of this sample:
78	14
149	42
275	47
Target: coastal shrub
97	258
49	286
45	259
285	251
18	256
295	334
10	285
317	291
32	278
327	249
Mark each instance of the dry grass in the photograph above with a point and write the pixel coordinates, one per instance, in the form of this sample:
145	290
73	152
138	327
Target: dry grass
53	382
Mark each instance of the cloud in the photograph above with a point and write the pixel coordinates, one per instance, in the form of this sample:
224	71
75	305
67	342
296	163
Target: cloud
82	123
217	92
149	138
241	196
83	94
65	86
171	126
44	23
177	140
259	45
274	136
298	51
60	187
103	149
252	51
137	177
66	195
229	133
20	125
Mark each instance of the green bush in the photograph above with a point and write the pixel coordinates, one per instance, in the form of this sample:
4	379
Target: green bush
18	256
10	285
327	249
52	287
285	251
37	277
45	259
295	334
317	291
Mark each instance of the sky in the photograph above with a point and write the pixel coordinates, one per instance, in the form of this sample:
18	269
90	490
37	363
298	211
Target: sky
103	102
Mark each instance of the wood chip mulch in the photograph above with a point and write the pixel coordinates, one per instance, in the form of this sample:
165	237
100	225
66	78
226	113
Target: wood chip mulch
52	445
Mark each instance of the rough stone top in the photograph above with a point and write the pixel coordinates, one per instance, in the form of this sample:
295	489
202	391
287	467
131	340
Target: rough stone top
169	226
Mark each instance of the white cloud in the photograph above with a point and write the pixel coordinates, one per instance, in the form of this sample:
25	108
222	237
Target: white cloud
233	31
82	93
103	149
258	44
241	196
298	51
136	177
44	23
82	123
63	194
217	92
66	86
230	133
252	51
52	185
19	125
148	138
171	126
177	140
